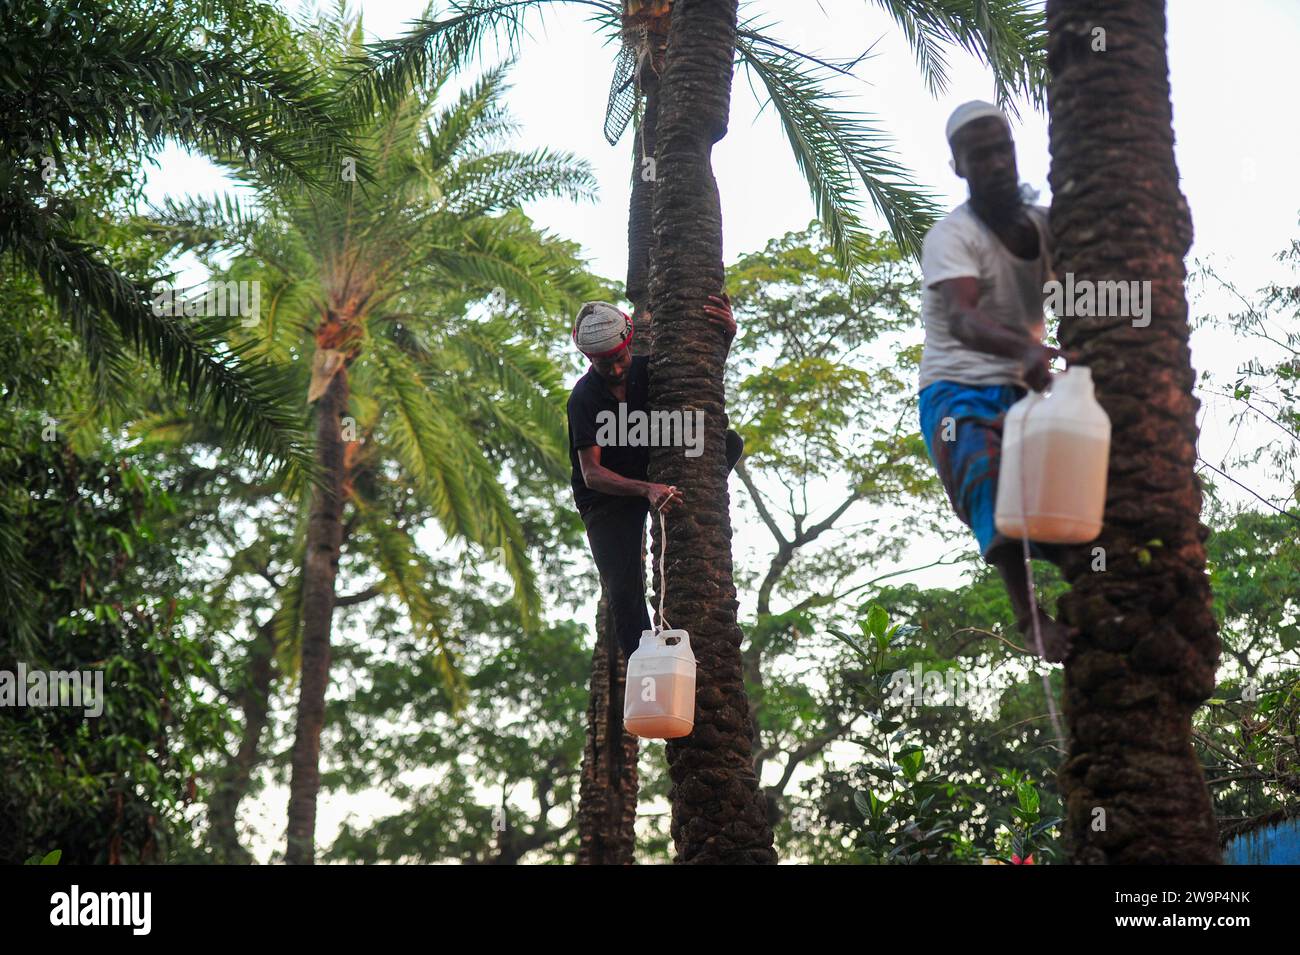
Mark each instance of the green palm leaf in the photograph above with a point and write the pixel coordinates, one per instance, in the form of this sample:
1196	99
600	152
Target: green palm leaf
832	148
1008	35
248	396
407	575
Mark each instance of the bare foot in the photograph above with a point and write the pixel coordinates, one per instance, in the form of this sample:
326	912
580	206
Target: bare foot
1056	637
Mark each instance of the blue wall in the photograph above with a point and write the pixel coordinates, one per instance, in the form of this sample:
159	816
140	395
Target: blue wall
1278	844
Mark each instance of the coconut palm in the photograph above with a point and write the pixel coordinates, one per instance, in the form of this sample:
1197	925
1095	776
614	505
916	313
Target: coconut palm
370	283
1148	646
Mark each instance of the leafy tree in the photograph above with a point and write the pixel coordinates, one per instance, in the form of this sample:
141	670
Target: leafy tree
117	785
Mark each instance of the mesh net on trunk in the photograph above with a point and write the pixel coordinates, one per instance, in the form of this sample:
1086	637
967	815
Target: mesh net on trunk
623	93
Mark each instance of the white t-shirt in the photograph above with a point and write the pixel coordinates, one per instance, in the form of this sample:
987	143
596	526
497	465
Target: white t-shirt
1011	292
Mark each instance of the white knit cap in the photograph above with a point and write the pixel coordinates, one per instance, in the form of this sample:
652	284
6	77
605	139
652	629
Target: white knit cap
602	330
969	112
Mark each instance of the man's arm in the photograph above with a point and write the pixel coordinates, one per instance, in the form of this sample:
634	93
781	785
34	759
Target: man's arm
601	479
978	332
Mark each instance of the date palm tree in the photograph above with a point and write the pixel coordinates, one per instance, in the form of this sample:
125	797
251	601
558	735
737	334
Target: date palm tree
607	787
80	76
837	152
371	284
719	814
1148	646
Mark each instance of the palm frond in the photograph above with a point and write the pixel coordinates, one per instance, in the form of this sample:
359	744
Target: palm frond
1008	35
447	464
505	255
133	84
525	400
425	443
407	576
249	398
492	183
203	224
19	590
477	118
392	68
832	148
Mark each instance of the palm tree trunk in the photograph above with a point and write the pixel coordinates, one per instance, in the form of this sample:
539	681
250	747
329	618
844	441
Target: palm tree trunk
1149	647
640	234
607	801
607	790
233	779
324	540
718	813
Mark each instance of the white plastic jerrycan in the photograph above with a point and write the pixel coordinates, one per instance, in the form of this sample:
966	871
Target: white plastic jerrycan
659	700
1057	447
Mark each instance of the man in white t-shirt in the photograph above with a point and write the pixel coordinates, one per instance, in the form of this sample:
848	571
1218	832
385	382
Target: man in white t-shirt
984	266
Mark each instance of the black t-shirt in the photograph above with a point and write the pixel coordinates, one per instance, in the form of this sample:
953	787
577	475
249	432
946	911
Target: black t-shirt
590	397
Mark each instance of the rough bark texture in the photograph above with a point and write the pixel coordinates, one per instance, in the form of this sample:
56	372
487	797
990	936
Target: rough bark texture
1149	647
232	782
607	789
324	540
751	662
718	813
640	235
608	793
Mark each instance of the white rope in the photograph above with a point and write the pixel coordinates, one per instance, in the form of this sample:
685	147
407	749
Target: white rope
1029	580
663	559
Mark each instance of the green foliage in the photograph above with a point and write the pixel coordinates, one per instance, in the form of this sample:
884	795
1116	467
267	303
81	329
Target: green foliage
115	786
810	402
1024	836
81	77
1246	735
1009	35
836	151
504	766
447	286
916	804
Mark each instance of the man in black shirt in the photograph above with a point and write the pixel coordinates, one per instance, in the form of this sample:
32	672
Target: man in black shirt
609	481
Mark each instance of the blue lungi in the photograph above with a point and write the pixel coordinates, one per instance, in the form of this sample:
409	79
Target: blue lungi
968	463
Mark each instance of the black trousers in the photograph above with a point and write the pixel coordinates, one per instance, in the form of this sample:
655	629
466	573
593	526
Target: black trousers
614	531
